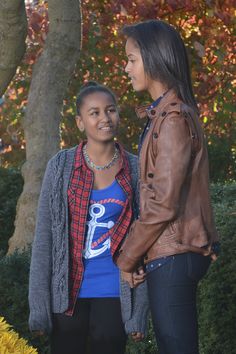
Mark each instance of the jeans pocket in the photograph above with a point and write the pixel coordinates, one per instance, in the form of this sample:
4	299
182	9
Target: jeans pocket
197	265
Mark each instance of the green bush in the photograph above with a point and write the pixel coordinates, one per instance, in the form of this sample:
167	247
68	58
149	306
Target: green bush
217	292
217	295
222	158
14	274
148	346
11	183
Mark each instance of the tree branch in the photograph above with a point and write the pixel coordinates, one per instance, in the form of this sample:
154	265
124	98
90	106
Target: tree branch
13	32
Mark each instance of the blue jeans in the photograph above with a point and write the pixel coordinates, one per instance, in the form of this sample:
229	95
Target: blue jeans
172	294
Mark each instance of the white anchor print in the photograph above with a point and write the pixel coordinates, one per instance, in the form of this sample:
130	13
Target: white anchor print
92	224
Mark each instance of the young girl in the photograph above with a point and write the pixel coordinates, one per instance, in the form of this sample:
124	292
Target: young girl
175	234
85	208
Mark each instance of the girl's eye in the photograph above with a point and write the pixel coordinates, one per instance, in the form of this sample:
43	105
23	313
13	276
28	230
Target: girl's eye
111	110
94	114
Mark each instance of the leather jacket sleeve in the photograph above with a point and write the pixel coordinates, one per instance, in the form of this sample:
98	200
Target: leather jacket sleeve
159	198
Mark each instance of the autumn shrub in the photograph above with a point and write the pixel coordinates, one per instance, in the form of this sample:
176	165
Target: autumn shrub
11	183
10	341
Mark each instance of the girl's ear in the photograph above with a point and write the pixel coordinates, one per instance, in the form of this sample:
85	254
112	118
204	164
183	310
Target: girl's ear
80	123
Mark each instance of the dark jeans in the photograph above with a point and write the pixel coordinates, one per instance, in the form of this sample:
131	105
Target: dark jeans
96	327
172	294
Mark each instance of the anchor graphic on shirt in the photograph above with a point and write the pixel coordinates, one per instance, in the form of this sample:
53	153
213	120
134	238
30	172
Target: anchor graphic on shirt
92	224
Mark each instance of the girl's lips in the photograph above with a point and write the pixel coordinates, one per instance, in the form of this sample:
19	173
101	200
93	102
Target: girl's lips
107	128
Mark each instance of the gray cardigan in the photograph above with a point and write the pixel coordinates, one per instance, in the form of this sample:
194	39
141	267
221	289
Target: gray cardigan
49	270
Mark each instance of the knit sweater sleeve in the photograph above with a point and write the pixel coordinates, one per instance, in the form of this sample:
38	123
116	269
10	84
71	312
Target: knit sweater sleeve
134	302
133	162
41	267
134	307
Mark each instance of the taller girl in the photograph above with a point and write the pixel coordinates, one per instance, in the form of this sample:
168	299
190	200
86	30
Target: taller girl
175	235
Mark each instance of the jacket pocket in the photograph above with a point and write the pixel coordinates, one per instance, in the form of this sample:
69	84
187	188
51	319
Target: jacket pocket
170	234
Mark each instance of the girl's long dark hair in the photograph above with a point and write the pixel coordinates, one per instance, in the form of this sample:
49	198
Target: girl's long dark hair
164	56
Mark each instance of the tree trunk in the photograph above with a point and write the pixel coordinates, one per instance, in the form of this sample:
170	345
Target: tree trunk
13	32
42	120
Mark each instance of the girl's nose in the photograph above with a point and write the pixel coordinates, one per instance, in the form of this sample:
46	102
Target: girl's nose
127	68
106	117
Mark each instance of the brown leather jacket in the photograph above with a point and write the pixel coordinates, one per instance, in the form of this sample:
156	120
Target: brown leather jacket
175	210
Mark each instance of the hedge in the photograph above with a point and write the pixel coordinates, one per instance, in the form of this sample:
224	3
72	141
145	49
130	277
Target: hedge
11	184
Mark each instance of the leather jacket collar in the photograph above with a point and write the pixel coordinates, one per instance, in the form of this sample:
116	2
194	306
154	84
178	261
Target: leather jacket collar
146	112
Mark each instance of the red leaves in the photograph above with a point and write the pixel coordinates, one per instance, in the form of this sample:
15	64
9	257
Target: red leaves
205	26
175	4
36	21
213	60
199	48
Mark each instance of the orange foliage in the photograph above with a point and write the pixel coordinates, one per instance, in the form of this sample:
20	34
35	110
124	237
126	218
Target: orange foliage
205	26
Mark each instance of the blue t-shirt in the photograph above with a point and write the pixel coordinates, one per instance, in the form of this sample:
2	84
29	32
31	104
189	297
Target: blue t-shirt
101	275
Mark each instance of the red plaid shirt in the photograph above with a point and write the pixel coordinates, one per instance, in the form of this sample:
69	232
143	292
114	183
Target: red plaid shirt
80	186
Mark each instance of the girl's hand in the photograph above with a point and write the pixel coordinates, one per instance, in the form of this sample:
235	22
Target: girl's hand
38	333
139	276
213	257
135	278
128	277
137	336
